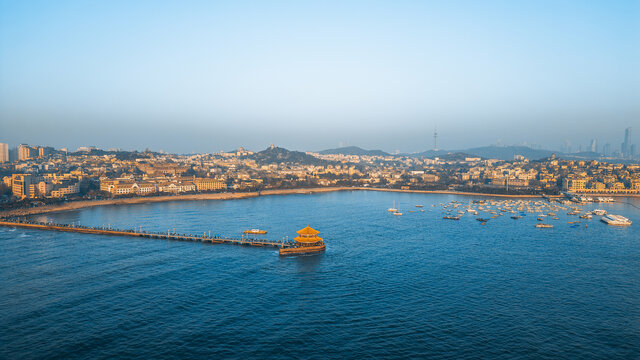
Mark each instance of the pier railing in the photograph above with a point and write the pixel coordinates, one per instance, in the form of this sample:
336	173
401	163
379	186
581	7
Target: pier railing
216	239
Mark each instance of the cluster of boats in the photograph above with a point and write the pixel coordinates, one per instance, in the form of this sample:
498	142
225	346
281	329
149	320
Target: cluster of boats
518	208
395	211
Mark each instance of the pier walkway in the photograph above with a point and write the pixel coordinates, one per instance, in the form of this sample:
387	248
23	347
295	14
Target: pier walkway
247	241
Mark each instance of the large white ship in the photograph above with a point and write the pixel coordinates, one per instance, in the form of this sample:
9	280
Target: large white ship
616	220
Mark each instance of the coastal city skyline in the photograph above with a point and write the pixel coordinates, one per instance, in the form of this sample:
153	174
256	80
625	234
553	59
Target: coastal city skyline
38	173
625	149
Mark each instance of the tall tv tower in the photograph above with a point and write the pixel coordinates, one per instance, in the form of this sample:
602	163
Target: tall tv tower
435	139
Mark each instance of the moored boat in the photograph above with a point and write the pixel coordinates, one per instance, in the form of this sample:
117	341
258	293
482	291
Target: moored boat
617	220
255	232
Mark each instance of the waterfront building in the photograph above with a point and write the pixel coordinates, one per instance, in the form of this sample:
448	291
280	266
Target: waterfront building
177	187
144	188
45	188
208	184
125	187
598	186
517	182
21	185
616	185
430	178
574	184
65	189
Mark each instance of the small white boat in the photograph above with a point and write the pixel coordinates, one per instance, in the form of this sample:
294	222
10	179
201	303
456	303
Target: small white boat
617	220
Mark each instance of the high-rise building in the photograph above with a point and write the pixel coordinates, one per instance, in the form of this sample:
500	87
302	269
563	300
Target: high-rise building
606	149
13	154
594	145
627	135
625	148
43	151
25	152
4	153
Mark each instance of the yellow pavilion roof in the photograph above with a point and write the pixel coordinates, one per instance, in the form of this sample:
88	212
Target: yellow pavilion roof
311	239
308	231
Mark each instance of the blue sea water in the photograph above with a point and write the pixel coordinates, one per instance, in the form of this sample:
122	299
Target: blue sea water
411	286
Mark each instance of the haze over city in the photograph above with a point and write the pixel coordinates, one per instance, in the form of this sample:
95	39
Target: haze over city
202	76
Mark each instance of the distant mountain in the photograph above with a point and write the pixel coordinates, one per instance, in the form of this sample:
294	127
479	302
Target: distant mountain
508	152
120	155
456	156
491	152
585	155
432	153
353	150
276	155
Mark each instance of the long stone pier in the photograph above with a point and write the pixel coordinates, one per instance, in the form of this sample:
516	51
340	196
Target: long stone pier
247	241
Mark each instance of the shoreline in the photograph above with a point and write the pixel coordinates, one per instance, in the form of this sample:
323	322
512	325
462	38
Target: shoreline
449	192
75	205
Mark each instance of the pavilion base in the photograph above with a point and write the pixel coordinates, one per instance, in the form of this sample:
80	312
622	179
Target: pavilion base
302	250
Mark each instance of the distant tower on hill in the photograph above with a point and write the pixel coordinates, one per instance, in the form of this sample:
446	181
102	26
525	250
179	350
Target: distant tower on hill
435	139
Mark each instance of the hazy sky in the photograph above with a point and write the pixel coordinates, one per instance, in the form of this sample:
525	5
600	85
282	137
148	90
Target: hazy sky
191	76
